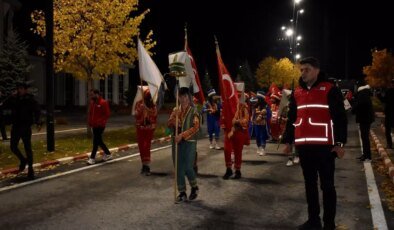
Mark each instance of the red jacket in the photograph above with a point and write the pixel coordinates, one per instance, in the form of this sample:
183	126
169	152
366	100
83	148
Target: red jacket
98	113
314	124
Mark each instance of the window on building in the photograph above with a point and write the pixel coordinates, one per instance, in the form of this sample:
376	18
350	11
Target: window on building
102	88
121	89
109	96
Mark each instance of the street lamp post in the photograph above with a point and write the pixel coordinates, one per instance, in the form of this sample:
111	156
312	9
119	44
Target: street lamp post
291	32
298	37
50	80
294	28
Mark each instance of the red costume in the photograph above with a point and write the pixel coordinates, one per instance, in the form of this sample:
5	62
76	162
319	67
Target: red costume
277	123
145	121
237	137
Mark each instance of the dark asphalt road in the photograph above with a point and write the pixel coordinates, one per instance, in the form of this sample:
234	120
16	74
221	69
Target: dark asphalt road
115	196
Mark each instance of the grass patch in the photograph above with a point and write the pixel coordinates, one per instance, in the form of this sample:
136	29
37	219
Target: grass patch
71	146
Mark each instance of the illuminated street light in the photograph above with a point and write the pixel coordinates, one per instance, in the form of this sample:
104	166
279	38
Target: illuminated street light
294	26
298	37
295	2
289	32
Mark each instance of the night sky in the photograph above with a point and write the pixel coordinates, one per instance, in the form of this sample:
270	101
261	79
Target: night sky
341	36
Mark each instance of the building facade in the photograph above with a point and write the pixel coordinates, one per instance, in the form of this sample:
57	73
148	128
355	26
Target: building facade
70	91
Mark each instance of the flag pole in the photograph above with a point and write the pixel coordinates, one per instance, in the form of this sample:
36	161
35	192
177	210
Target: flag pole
177	70
224	99
219	56
176	144
185	36
142	94
143	100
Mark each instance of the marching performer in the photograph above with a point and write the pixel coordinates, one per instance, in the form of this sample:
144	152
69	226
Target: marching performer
236	138
277	125
212	108
145	113
261	116
188	126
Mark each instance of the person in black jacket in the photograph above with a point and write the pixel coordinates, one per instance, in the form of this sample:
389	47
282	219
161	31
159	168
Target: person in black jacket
388	100
25	113
362	108
317	125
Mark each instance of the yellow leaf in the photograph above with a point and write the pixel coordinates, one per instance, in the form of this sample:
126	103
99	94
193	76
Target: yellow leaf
94	38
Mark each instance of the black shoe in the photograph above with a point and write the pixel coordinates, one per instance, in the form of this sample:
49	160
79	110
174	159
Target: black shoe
228	174
30	174
237	174
310	225
182	197
360	157
22	166
143	169
194	193
147	170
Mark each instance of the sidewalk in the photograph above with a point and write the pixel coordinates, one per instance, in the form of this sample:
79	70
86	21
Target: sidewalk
70	123
76	123
379	139
83	156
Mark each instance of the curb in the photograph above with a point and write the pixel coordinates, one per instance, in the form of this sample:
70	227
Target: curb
383	153
82	156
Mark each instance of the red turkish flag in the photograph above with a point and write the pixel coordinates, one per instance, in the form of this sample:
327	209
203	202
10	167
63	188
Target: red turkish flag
228	93
200	94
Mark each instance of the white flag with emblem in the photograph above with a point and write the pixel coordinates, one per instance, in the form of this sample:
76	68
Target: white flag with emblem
149	71
189	80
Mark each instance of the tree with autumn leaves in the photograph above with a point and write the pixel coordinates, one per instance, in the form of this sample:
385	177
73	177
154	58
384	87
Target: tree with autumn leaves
381	71
282	72
93	39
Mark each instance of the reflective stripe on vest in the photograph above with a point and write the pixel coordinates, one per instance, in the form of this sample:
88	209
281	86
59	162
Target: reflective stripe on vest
312	106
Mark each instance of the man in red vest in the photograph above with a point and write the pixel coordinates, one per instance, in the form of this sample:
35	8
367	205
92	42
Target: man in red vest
318	126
